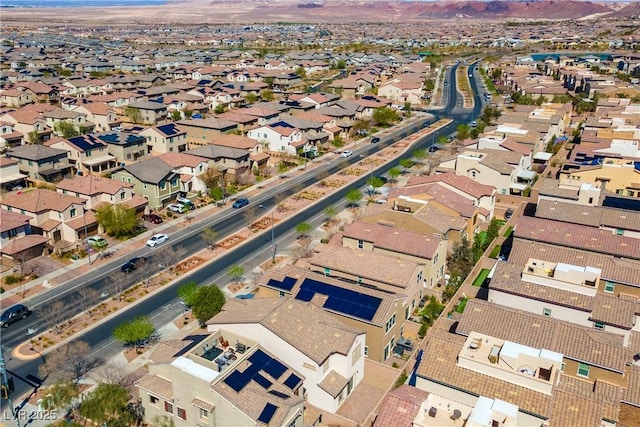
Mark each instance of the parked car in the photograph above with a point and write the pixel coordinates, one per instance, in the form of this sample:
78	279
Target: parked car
473	124
156	239
240	203
188	205
133	264
346	153
375	140
152	218
174	207
13	314
508	214
97	242
182	198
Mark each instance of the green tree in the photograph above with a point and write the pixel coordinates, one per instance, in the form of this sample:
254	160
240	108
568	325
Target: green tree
406	163
209	302
303	229
301	72
188	293
235	273
385	116
267	95
496	74
463	132
219	109
461	260
429	84
375	182
420	154
108	405
337	141
176	115
492	231
210	236
394	173
353	197
330	212
135	332
34	137
133	114
407	108
431	311
341	64
66	129
251	98
117	220
60	396
269	81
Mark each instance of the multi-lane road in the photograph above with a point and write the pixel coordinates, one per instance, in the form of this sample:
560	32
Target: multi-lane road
163	306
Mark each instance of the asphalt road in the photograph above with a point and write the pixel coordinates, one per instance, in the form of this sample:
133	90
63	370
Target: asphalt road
164	306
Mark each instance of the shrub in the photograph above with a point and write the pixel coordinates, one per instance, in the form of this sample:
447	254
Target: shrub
401	379
12	279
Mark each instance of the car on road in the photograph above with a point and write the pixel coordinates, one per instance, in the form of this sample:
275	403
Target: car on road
473	124
13	314
240	203
375	140
156	239
133	264
174	207
346	153
152	218
97	242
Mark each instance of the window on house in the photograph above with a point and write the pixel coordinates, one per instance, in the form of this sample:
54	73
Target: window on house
182	414
359	279
144	185
360	244
327	271
419	277
168	407
153	400
174	182
390	323
435	259
583	370
163	185
123	195
562	367
282	294
619	232
204	414
12	233
598	325
609	287
366	351
30	163
546	312
72	212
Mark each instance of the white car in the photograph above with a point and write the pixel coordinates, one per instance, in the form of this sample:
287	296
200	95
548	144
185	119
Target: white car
346	153
97	242
156	239
176	208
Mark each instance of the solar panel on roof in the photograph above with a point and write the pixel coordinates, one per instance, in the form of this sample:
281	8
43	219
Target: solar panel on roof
286	284
168	129
267	413
275	368
293	381
237	380
262	381
342	300
109	137
621	203
277	393
259	358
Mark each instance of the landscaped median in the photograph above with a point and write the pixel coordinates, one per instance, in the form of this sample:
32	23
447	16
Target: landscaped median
100	307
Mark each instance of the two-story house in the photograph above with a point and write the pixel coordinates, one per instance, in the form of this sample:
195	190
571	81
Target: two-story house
17	242
229	161
126	147
280	137
42	163
57	117
10	175
190	167
153	179
146	112
165	139
102	115
201	131
87	153
60	218
327	352
98	191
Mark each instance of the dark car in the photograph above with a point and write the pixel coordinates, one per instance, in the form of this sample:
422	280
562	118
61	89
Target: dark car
375	140
508	214
133	264
13	314
152	218
240	203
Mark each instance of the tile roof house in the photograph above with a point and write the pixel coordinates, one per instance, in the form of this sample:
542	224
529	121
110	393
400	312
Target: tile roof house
42	163
17	242
214	381
400	407
201	131
101	114
148	112
16	97
10	175
165	138
190	167
99	191
326	351
280	137
229	161
8	136
153	179
29	119
381	314
58	217
87	153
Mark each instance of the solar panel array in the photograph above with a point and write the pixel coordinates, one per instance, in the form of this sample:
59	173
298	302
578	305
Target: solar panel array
267	413
168	129
621	203
260	361
292	382
286	284
86	142
341	300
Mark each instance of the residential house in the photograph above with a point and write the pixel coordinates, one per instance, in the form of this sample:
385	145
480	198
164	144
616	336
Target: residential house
99	191
224	379
17	243
280	137
102	115
311	131
88	154
153	179
42	92
10	175
402	90
318	99
42	163
190	167
381	314
328	353
244	122
16	97
201	131
264	115
619	176
229	161
569	191
9	137
28	120
57	117
165	138
146	112
60	218
126	147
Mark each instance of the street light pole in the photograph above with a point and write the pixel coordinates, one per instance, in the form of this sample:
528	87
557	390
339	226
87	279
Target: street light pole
86	242
7	388
273	243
